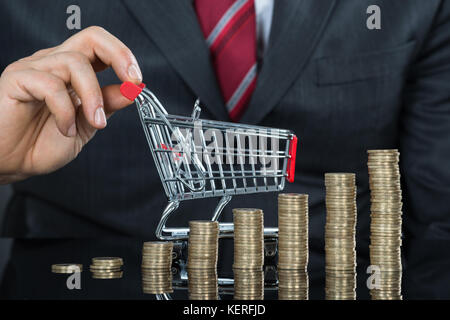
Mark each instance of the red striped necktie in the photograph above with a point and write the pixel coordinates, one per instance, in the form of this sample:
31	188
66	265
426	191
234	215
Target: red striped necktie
229	27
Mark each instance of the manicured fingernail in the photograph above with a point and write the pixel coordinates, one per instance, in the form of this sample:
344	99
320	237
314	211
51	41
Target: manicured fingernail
134	72
100	117
72	130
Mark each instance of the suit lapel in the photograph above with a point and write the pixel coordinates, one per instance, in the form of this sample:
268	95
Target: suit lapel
296	29
173	26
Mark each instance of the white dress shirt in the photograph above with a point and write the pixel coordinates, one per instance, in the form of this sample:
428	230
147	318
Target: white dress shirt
264	14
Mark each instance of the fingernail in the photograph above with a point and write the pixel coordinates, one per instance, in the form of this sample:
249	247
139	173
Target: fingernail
134	72
100	117
72	130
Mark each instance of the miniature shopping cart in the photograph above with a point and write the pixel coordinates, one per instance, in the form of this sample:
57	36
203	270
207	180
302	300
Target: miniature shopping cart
202	158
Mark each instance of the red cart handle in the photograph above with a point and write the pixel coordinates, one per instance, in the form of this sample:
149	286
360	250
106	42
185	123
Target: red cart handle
291	161
131	91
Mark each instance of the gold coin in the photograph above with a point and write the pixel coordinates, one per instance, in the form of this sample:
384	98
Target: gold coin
66	268
107	261
107	275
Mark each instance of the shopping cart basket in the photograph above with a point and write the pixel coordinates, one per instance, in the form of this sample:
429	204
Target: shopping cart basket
203	158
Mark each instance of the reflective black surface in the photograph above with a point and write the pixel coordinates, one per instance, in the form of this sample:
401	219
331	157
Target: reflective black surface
27	276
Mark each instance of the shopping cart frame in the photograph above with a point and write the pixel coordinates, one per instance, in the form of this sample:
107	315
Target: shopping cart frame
182	184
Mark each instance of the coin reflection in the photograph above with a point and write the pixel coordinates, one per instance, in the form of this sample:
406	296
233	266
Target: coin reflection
202	284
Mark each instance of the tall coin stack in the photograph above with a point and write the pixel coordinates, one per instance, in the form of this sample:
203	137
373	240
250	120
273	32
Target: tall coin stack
293	246
203	247
386	222
248	254
156	267
340	244
106	268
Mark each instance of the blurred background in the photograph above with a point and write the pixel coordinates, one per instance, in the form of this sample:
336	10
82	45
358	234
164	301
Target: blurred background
5	244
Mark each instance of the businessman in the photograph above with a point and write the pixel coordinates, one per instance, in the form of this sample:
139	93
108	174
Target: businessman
314	67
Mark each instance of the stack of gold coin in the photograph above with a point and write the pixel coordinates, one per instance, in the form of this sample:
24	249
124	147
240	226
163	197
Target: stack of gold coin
386	222
248	254
293	245
248	238
248	284
157	267
202	284
340	252
203	244
292	284
66	268
106	268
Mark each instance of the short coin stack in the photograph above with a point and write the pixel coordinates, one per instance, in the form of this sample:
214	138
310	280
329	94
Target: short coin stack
203	244
106	268
386	222
340	252
203	247
248	254
293	246
66	268
156	267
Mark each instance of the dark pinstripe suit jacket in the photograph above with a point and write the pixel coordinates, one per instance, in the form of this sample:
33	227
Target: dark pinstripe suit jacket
341	87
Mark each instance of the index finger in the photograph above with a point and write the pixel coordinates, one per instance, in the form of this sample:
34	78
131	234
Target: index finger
98	44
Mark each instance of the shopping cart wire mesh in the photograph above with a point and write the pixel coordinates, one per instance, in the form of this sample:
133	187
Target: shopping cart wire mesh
198	158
